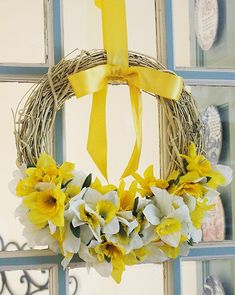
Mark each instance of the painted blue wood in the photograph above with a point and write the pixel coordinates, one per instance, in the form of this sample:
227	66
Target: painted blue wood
63	284
35	260
222	76
14	70
58	55
169	34
177	276
57	30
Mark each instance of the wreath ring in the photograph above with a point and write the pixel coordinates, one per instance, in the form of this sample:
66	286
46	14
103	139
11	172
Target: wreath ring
34	121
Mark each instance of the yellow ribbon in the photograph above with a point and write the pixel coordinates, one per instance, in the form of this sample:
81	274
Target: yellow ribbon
95	80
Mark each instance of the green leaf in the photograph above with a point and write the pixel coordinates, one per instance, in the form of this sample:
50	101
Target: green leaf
134	212
87	181
75	230
30	165
64	185
190	242
108	259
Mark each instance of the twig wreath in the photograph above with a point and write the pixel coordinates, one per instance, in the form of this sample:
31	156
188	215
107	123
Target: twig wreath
110	226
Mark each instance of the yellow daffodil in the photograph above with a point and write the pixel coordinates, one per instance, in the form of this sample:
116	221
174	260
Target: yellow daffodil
127	197
114	254
192	189
136	256
196	162
103	189
25	187
46	171
46	206
198	214
71	191
215	179
148	181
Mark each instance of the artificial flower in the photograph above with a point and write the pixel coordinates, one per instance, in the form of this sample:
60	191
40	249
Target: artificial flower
46	206
149	180
127	197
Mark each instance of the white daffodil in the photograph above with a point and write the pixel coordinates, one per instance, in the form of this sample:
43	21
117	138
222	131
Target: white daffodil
34	235
79	178
103	267
72	242
169	215
127	236
79	213
106	207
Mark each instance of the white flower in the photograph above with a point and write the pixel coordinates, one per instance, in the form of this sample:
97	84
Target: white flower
127	237
79	178
226	171
103	267
170	216
17	176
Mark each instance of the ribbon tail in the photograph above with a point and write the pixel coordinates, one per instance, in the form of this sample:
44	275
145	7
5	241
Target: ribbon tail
136	105
97	138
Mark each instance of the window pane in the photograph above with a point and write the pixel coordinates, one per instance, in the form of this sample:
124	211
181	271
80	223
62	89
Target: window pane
22	31
204	33
11	93
83	26
208	277
217	107
23	282
138	280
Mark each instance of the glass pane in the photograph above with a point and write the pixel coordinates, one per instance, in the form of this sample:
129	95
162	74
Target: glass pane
24	282
83	27
140	279
208	277
204	33
22	31
217	106
11	94
120	133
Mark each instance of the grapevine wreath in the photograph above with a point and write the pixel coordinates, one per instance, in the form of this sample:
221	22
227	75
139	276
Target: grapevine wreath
110	226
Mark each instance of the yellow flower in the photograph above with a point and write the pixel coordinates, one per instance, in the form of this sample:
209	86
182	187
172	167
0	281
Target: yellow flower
106	210
198	214
168	226
215	179
196	162
46	170
25	187
115	254
127	197
192	189
88	217
149	180
173	252
136	256
103	189
71	191
46	206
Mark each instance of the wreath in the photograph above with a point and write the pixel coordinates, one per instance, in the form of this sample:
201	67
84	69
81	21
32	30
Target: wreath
110	226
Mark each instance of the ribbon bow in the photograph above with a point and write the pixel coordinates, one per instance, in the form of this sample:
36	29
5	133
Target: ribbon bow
95	80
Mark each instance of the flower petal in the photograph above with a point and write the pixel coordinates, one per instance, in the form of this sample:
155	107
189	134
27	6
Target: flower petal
152	214
112	227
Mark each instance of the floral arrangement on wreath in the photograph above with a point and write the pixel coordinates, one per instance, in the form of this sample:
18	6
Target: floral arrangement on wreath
110	226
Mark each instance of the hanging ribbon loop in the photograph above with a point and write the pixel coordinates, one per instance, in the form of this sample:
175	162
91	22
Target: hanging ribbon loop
95	80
